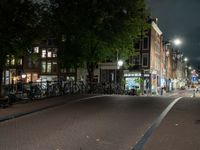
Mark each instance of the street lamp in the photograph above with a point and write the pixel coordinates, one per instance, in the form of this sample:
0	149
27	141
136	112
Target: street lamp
23	77
185	59
120	63
177	42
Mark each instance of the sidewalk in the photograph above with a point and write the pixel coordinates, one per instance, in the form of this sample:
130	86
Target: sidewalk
17	110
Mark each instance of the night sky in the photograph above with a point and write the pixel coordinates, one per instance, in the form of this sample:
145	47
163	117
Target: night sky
180	18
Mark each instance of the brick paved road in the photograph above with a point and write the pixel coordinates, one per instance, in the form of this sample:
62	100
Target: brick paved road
180	130
107	123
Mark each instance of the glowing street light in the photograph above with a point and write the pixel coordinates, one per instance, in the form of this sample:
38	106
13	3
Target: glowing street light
185	59
120	63
177	42
189	67
23	76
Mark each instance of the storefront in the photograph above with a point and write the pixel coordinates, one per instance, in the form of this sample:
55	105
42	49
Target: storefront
135	80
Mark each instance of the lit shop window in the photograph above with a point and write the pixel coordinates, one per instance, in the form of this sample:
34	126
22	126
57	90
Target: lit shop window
49	67
36	49
34	77
44	53
43	67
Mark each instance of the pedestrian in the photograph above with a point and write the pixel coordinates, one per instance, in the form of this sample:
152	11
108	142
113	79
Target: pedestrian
162	90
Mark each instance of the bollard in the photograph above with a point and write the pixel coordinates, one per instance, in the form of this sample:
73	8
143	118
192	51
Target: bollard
193	93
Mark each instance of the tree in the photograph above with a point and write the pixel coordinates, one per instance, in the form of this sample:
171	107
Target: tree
21	24
95	29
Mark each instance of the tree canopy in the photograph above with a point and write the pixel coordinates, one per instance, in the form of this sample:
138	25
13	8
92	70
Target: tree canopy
21	24
95	29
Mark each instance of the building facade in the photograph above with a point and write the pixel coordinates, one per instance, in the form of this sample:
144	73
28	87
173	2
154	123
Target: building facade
147	68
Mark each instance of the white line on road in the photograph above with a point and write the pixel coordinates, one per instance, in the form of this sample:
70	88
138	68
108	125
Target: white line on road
153	127
82	99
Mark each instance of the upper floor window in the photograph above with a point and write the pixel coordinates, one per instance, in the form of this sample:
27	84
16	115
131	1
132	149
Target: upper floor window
19	61
145	59
54	52
51	41
49	53
36	49
135	60
137	44
7	62
44	53
146	43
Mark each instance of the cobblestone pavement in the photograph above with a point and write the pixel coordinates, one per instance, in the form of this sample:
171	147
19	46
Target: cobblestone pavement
101	123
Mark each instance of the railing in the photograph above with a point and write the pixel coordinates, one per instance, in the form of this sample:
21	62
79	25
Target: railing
39	90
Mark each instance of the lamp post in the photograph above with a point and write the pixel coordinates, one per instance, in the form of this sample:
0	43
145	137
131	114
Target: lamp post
23	77
119	65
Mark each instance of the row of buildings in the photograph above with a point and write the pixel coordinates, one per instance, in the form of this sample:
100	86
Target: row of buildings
158	65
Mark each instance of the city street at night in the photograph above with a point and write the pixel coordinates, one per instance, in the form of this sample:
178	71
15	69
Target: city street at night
99	75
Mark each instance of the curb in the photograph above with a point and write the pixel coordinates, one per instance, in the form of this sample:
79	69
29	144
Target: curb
21	114
17	115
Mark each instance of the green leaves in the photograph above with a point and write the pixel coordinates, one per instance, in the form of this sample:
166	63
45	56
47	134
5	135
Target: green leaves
95	29
21	25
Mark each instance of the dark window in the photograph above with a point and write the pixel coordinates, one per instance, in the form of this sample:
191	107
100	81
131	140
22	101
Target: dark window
51	41
137	45
146	43
135	60
145	60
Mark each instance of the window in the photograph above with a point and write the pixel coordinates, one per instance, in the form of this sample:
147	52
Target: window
54	52
135	60
44	53
137	44
54	67
12	61
34	77
51	41
36	49
7	62
145	60
49	53
63	70
72	70
19	62
49	67
43	65
146	43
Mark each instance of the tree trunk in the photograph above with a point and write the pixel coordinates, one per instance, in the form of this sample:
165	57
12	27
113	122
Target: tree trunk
90	69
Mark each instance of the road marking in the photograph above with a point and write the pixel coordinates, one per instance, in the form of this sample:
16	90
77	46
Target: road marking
87	98
153	127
